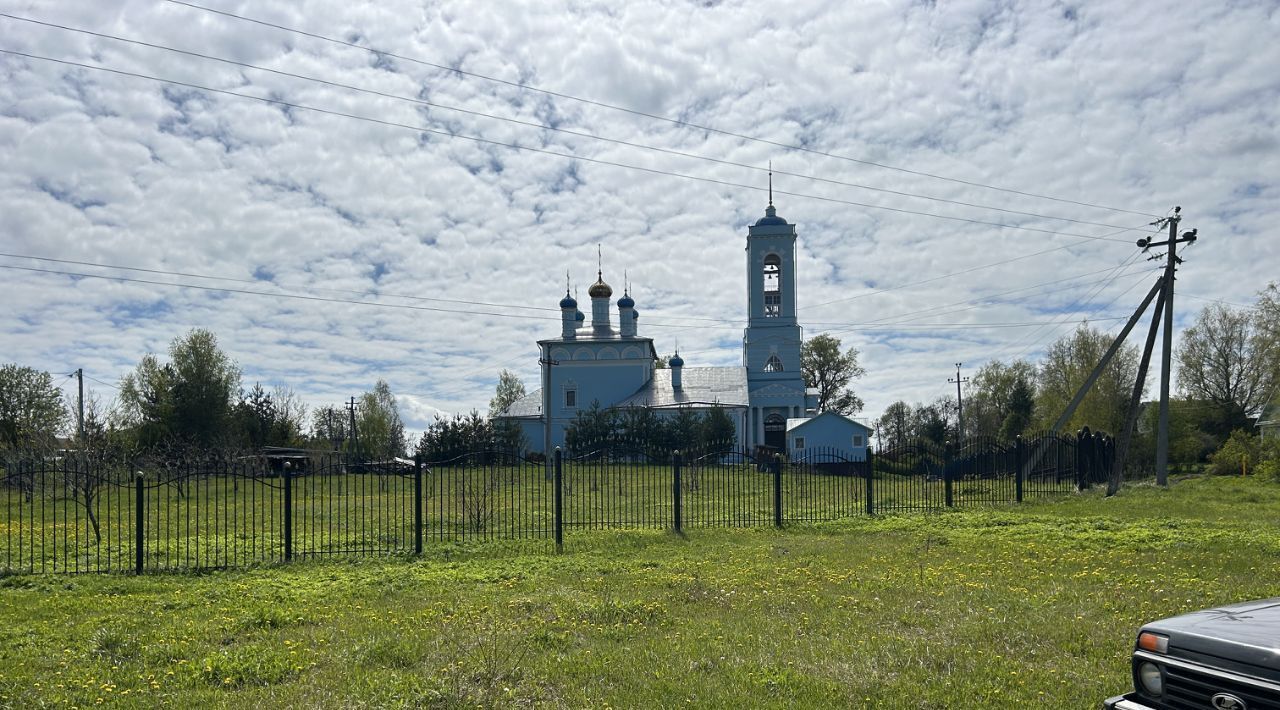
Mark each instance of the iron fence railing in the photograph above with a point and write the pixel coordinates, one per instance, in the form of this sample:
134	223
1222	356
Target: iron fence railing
74	512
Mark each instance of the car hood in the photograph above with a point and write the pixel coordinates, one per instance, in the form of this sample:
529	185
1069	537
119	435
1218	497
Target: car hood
1246	633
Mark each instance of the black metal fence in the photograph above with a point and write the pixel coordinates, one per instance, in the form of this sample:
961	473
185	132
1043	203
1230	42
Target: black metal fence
72	512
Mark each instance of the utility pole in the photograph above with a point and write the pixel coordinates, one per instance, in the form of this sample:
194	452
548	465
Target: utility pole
80	409
1162	440
355	436
1166	357
1163	288
959	402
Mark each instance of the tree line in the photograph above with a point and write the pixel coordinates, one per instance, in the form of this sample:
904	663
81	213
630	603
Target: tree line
1228	371
194	397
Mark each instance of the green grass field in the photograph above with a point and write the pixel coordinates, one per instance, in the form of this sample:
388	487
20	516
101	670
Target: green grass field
1000	607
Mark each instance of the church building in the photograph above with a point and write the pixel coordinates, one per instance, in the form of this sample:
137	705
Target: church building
616	366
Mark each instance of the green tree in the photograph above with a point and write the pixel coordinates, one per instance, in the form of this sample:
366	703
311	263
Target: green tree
683	429
447	438
190	398
31	407
935	422
1020	409
831	372
378	425
1226	359
270	418
146	402
1065	368
1000	392
206	383
895	427
642	428
330	427
716	431
1267	315
594	427
509	390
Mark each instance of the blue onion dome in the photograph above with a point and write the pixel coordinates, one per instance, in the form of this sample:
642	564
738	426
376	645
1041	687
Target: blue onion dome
579	317
626	302
635	315
600	289
676	361
568	302
770	217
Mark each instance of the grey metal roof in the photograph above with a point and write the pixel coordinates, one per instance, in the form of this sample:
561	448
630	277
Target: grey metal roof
529	405
801	421
1270	415
725	386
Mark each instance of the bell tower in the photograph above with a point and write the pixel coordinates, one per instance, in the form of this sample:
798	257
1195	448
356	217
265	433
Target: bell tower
771	341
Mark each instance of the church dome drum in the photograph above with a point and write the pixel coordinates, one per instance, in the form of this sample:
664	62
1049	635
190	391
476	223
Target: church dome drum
770	217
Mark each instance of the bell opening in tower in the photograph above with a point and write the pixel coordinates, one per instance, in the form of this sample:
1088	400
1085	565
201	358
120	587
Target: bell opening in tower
772	275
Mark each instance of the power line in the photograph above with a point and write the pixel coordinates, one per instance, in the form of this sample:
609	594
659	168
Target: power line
259	281
518	147
1080	304
934	310
439	310
108	384
1253	307
977	302
566	131
727	321
634	112
1077	303
931	279
322	299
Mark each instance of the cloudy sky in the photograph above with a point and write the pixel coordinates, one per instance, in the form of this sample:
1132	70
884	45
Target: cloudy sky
967	178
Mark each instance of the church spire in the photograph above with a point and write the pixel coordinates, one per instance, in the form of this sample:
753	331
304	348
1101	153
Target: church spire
771	183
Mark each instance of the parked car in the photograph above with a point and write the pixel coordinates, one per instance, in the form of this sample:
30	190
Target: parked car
1227	658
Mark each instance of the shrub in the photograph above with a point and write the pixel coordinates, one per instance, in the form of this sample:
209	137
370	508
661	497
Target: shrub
1244	452
1268	467
1240	450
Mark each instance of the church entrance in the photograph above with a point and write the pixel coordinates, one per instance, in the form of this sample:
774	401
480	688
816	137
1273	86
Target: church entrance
775	432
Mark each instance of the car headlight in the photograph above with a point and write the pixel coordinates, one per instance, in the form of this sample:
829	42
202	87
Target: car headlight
1151	678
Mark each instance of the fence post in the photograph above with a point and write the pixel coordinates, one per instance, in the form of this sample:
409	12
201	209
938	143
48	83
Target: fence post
139	521
871	475
1019	460
675	491
559	500
288	511
1082	457
417	506
777	490
946	472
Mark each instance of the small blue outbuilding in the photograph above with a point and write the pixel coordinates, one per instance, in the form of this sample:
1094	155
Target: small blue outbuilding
825	436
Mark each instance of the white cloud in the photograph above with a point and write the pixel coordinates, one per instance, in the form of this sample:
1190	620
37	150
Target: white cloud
1089	102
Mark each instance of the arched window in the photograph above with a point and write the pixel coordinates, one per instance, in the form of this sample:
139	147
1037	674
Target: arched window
773	364
772	286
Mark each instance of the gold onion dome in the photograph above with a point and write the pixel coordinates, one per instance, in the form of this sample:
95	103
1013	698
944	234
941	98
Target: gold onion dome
600	289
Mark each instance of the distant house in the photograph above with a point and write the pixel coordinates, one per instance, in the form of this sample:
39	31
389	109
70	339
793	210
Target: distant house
1269	421
826	437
